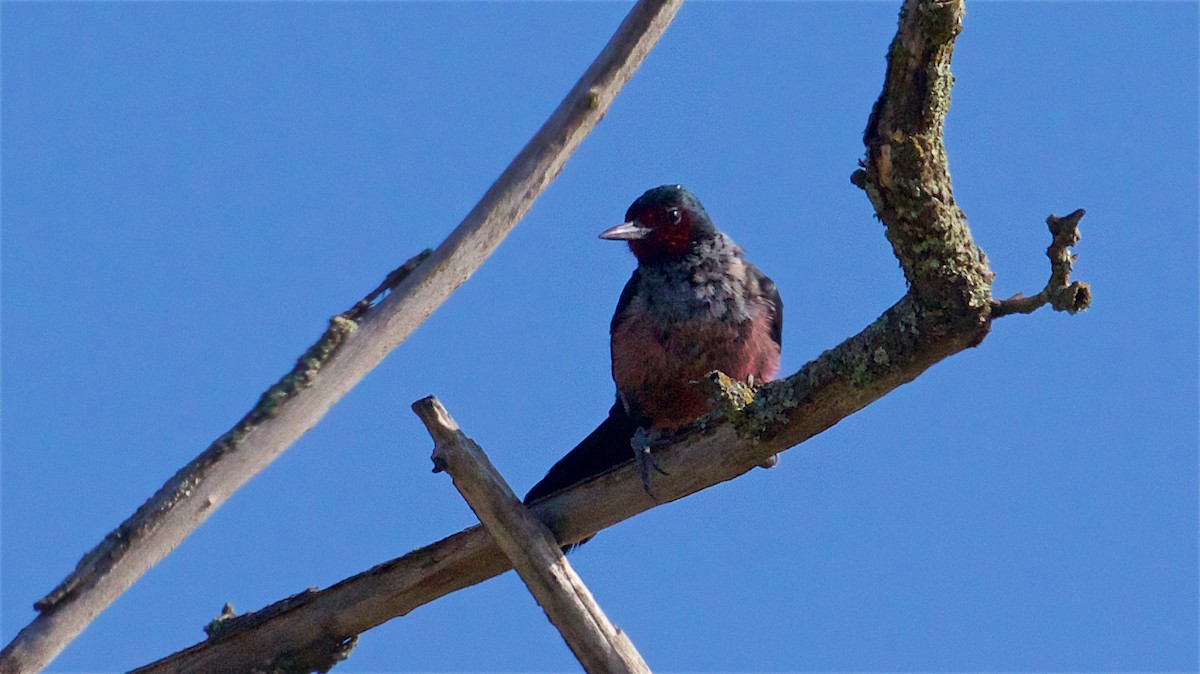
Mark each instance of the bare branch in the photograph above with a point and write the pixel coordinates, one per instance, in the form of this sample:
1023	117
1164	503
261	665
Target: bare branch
355	343
301	377
907	177
888	353
530	546
948	309
1060	292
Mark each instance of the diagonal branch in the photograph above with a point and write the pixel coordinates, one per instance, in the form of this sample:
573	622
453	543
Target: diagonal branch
785	413
907	176
598	644
948	309
356	342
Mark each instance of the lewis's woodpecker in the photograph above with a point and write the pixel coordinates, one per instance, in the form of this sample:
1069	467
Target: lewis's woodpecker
693	305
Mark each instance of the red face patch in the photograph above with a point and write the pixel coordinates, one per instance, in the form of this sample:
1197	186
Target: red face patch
670	231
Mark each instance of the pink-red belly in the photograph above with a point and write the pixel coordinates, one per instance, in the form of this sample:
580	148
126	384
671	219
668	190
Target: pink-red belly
653	367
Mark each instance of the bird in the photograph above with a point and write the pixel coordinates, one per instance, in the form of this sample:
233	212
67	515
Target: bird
694	304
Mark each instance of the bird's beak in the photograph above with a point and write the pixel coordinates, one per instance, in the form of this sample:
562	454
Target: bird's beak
626	231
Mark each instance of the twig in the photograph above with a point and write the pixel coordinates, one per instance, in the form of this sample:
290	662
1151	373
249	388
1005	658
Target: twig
530	546
194	493
388	285
1061	293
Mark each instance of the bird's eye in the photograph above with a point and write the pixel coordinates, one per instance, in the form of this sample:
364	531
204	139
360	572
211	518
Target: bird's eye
675	216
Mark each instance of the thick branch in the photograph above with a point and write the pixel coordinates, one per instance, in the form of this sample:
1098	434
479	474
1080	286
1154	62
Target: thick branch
907	177
891	351
359	341
530	547
946	311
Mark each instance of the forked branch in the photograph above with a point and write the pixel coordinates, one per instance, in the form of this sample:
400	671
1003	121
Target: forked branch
948	308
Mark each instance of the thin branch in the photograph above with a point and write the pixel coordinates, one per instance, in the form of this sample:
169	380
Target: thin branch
354	346
300	377
948	309
888	353
530	546
1060	292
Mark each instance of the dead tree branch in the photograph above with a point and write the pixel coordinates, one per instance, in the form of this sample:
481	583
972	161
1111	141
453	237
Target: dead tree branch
530	547
948	308
355	343
1061	293
840	382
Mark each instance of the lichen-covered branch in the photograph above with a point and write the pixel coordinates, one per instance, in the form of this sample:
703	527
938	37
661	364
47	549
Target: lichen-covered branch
57	627
1061	293
888	353
948	309
358	341
907	176
301	377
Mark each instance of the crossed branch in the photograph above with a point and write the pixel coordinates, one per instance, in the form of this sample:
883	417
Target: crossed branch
947	309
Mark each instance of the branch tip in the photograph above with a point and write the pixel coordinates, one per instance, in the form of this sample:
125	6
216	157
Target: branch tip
1060	292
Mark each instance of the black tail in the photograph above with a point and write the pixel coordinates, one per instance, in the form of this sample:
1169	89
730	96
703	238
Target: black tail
606	447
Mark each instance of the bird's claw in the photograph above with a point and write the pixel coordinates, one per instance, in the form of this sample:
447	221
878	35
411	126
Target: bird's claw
642	457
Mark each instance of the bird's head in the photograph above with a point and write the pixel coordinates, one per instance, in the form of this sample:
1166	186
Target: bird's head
665	222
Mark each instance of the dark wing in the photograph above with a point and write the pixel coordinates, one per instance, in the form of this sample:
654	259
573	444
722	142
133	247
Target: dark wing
604	448
771	294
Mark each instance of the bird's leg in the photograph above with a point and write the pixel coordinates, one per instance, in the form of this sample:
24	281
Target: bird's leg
641	442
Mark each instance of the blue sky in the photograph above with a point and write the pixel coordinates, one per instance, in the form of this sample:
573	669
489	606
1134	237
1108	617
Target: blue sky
189	190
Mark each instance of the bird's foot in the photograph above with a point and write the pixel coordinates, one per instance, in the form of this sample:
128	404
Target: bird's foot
641	442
